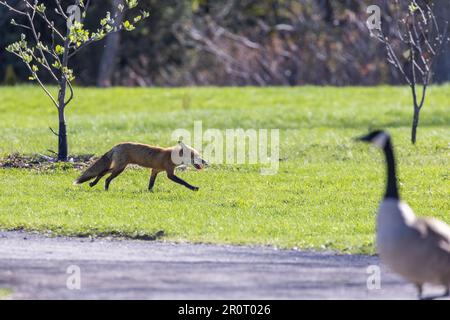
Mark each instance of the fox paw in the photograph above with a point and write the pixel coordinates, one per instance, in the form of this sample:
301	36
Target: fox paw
195	188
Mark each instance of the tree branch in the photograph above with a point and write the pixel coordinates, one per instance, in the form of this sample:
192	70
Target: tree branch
13	9
60	9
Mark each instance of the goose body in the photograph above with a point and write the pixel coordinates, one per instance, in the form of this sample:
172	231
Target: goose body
418	249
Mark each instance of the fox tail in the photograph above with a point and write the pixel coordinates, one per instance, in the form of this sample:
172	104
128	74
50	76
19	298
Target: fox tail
98	167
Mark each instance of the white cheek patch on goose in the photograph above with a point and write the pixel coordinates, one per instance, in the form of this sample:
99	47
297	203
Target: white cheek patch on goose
380	140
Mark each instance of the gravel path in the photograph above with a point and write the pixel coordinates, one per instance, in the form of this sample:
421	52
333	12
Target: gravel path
35	266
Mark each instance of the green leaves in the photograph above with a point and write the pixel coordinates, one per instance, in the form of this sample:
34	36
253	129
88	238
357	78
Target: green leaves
59	50
20	48
56	64
99	35
40	46
33	76
68	73
47	55
107	20
13	47
131	3
27	57
128	26
413	7
78	35
40	8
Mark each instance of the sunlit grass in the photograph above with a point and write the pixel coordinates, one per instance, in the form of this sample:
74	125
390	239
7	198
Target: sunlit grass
325	194
5	293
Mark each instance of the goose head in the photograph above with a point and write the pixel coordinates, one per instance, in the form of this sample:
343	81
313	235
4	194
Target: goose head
377	137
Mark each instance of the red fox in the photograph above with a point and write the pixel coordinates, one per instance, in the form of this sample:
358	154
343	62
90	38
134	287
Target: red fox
158	159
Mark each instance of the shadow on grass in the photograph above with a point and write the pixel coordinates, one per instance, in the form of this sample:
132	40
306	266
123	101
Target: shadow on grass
93	233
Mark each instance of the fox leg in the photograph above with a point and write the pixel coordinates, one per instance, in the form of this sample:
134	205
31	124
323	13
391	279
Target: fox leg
174	178
101	175
113	175
152	179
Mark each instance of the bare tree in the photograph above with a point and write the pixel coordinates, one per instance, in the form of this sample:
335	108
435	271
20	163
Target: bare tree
52	55
413	41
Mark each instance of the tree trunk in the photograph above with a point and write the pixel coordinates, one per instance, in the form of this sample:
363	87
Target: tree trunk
415	124
62	132
107	62
62	137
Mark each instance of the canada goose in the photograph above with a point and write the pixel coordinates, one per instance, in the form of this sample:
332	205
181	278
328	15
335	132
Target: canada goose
418	249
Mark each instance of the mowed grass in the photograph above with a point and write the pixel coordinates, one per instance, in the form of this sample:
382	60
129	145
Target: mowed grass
5	294
325	194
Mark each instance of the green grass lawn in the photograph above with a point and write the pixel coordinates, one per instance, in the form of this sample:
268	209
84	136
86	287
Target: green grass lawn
5	293
325	194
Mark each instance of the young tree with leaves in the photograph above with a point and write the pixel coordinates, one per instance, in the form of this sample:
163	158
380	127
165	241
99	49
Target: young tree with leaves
68	36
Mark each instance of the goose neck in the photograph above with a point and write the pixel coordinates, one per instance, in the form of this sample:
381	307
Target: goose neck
391	187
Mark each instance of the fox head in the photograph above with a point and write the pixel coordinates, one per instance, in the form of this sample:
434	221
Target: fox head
183	154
